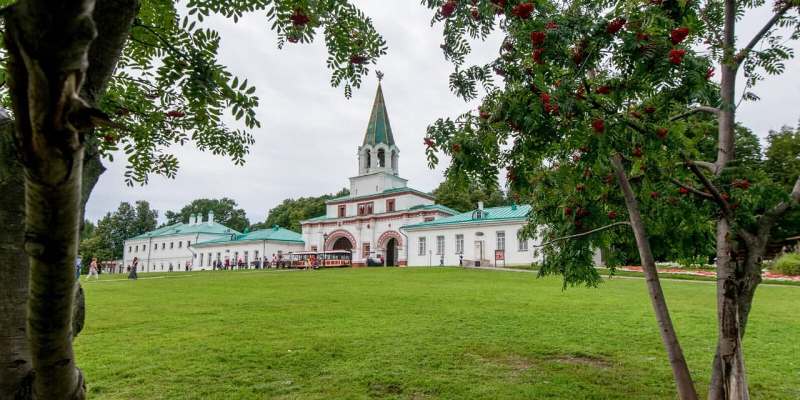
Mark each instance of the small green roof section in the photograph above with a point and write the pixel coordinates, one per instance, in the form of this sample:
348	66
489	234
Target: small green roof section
385	192
274	234
379	130
437	207
180	228
493	214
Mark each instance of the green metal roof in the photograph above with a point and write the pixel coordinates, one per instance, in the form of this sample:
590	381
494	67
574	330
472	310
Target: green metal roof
276	234
493	214
385	192
185	229
379	130
438	207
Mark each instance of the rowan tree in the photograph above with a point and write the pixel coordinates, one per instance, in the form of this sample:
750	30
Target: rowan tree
600	123
84	78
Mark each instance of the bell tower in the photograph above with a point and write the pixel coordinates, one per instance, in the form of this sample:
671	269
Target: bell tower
378	155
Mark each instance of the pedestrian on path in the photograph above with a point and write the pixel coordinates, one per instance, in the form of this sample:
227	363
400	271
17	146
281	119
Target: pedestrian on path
93	270
132	274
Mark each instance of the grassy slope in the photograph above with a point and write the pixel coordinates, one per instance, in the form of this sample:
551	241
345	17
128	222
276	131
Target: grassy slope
411	334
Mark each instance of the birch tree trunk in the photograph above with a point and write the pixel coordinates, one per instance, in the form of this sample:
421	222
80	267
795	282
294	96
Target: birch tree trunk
680	369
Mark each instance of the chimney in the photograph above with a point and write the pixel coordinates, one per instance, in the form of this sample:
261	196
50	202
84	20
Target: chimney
480	205
193	219
210	217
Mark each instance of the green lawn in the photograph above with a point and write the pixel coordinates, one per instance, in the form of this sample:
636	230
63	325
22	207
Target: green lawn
412	334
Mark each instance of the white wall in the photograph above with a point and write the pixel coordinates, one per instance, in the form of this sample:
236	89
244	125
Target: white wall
472	234
156	254
232	250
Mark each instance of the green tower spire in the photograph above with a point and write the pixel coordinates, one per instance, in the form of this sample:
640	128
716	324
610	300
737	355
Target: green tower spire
378	129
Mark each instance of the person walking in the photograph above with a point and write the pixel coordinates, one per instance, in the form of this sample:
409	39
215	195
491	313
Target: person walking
132	274
93	270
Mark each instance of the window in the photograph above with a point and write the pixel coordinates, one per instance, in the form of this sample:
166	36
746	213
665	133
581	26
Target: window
390	205
246	257
459	244
188	243
428	219
439	245
365	249
523	243
208	261
136	248
144	247
130	249
342	211
255	254
171	245
361	209
422	246
163	246
201	258
501	240
180	244
381	158
369	208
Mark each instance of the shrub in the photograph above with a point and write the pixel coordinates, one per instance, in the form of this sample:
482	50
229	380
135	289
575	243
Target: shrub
788	264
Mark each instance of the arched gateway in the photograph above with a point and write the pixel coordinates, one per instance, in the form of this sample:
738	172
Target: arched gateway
390	242
340	240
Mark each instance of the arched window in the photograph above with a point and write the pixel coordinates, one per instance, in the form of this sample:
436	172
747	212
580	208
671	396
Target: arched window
369	159
381	158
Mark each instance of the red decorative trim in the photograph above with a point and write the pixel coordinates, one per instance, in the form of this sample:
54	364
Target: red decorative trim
385	236
375	217
382	196
336	235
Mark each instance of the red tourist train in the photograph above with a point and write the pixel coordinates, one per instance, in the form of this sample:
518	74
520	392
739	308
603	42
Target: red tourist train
325	259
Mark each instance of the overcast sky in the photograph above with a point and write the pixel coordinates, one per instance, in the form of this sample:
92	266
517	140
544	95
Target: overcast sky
309	133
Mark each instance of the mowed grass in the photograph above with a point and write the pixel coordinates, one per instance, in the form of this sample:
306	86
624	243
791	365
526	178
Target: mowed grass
412	333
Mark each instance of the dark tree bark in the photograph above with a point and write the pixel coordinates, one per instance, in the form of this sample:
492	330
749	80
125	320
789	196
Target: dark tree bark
680	369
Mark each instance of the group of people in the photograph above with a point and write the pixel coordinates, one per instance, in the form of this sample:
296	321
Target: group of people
277	262
95	268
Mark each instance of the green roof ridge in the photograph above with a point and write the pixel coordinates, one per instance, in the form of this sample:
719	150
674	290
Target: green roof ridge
492	214
274	233
378	129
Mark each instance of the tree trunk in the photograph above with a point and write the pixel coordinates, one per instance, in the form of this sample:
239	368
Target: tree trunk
680	370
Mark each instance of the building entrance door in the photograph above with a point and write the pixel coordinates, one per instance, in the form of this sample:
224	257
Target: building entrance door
478	252
391	253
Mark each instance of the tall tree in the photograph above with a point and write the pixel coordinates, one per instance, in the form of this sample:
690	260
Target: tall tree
290	212
71	68
599	114
462	194
783	155
226	212
109	234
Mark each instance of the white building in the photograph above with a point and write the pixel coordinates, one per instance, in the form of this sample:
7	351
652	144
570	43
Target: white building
258	245
485	237
367	222
169	248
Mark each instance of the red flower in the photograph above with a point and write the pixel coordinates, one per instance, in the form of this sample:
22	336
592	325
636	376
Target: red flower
678	34
637	152
109	138
299	18
662	133
537	55
676	56
545	98
609	179
649	109
636	114
456	148
484	114
654	195
428	142
582	212
710	73
175	114
499	3
579	94
476	15
551	108
567	211
604	90
357	59
577	55
523	10
683	190
537	37
642	36
448	8
615	25
612	215
580	187
726	196
598	125
551	25
576	157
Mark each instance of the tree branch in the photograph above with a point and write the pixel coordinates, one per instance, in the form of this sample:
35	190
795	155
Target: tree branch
694	110
711	167
602	228
691	189
742	54
727	212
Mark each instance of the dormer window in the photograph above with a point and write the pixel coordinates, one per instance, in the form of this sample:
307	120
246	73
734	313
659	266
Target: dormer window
478	214
389	205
